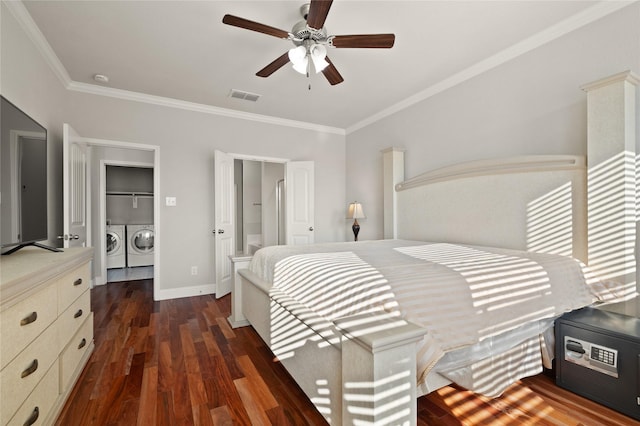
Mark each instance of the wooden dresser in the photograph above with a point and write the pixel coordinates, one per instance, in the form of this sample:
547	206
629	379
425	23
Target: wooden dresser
46	331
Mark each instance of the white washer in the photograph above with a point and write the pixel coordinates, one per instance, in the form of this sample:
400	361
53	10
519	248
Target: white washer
116	247
140	245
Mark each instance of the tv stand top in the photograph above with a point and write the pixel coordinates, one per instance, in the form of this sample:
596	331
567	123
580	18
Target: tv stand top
26	271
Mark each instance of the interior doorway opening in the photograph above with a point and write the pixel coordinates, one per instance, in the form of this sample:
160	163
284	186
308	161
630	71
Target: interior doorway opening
260	204
130	232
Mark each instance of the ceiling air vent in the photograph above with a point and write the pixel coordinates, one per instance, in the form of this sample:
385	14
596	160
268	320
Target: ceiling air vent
241	94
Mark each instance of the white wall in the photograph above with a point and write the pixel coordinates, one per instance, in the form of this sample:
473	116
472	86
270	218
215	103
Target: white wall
27	81
187	141
530	105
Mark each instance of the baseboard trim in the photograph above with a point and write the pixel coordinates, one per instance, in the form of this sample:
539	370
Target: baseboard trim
177	293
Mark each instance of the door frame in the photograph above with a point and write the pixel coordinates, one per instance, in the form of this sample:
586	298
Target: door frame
103	210
258	158
94	142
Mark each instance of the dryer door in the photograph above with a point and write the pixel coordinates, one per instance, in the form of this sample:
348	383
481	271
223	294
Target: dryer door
142	241
113	243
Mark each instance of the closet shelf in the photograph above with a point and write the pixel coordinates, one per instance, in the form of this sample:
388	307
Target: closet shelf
130	194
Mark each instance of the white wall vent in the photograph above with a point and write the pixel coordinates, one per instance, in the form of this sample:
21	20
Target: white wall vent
241	94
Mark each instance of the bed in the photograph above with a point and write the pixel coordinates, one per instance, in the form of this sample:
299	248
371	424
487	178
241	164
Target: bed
496	249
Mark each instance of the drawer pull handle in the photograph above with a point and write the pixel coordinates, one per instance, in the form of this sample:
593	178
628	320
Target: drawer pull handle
30	370
78	314
29	319
77	282
82	344
33	417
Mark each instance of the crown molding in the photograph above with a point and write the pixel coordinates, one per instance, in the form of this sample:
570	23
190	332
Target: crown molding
128	95
566	26
20	13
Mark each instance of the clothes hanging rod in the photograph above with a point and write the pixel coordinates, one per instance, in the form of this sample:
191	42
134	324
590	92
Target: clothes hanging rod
130	194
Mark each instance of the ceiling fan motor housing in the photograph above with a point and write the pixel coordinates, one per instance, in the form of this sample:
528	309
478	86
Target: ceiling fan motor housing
301	32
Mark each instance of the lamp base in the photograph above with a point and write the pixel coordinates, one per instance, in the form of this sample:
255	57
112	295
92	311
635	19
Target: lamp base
356	229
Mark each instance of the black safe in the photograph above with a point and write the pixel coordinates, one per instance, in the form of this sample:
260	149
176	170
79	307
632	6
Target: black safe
598	355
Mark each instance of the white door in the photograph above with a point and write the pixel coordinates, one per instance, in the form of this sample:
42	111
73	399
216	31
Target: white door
224	214
299	196
74	181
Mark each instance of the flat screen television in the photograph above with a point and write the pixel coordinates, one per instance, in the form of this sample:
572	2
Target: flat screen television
23	180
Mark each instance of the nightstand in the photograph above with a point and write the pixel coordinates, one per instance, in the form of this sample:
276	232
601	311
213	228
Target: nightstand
598	355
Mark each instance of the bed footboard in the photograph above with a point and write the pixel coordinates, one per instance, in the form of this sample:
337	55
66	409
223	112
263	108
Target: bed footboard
367	372
379	370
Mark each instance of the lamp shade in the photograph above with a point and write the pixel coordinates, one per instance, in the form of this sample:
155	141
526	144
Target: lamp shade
355	211
301	66
296	54
318	54
299	59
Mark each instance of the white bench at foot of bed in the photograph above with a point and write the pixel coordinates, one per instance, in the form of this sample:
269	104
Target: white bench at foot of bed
366	371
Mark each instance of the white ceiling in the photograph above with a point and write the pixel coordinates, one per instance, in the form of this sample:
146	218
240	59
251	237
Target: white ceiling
181	50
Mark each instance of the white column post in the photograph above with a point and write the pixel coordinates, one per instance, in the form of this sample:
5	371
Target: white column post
393	173
611	177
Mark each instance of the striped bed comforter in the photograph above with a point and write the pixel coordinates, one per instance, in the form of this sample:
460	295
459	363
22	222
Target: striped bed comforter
483	309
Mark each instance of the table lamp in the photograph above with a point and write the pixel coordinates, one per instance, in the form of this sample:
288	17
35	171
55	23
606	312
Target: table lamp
355	212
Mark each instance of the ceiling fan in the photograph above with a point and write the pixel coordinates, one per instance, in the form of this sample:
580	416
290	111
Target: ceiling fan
310	41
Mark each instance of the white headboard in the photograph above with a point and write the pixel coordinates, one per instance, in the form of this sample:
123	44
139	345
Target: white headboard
534	203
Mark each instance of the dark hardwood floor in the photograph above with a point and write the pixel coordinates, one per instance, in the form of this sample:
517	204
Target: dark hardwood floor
178	362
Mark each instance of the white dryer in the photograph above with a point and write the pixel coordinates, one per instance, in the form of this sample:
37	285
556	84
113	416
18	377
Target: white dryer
140	245
116	247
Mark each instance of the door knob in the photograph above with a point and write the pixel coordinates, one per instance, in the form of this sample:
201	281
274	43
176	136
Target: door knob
220	231
311	228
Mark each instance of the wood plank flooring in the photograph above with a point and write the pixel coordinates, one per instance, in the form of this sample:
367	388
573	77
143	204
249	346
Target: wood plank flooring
178	362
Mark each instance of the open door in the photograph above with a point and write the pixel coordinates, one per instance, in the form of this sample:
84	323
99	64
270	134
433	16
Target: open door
74	181
299	189
224	215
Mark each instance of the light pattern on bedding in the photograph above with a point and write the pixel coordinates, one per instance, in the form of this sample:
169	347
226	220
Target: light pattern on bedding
501	291
335	285
319	288
462	295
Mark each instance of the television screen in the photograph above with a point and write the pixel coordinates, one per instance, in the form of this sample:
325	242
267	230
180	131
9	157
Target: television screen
23	178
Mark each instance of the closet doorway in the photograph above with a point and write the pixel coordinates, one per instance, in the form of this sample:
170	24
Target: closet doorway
129	207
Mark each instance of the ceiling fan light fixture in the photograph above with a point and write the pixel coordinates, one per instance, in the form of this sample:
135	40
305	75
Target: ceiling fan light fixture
297	54
318	54
299	59
301	65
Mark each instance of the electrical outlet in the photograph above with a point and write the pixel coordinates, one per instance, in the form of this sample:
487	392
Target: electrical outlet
171	201
194	270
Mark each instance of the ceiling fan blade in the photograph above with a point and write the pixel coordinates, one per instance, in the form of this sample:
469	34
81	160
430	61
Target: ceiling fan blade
318	12
274	66
254	26
380	41
332	74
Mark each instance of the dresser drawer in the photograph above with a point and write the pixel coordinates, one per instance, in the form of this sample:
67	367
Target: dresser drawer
32	363
73	317
37	407
23	322
71	286
72	354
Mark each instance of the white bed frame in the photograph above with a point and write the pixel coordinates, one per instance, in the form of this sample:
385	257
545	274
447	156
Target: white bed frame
357	376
